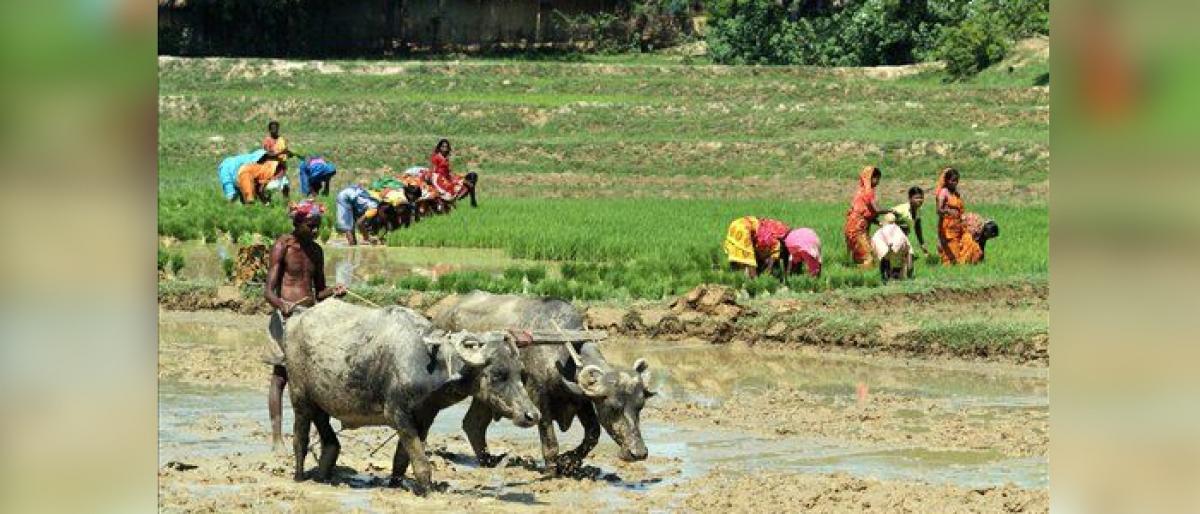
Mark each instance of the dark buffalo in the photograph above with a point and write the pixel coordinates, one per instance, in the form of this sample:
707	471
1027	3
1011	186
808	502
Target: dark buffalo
381	367
565	381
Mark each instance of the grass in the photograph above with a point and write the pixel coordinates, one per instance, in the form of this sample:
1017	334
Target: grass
974	335
609	119
622	118
632	248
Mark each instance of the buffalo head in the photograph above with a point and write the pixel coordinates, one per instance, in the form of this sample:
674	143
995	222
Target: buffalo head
618	396
493	367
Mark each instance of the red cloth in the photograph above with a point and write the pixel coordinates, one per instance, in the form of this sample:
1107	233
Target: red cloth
769	233
443	179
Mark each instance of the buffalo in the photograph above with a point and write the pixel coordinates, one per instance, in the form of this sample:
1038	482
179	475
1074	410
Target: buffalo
371	367
564	381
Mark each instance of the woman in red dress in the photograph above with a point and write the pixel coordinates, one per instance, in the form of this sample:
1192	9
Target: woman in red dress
450	187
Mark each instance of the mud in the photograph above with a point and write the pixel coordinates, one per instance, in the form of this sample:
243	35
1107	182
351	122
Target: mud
830	432
765	492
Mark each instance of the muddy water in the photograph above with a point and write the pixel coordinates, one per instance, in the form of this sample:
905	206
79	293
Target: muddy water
719	408
361	263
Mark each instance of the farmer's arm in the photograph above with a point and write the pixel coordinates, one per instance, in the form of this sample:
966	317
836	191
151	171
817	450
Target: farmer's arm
920	233
275	277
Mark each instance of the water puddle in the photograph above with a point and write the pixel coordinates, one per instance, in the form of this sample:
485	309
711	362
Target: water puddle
202	261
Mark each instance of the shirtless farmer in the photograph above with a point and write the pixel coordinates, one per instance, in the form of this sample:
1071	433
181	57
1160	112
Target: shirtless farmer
295	279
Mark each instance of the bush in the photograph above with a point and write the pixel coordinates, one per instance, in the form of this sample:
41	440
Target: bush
169	262
972	46
972	34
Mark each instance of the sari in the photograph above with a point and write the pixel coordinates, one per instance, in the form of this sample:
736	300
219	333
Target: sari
451	186
252	175
956	245
858	218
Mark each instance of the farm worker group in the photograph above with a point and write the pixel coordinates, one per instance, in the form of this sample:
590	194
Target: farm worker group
385	204
757	245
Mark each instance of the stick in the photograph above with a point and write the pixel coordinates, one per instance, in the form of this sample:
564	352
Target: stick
385	441
361	297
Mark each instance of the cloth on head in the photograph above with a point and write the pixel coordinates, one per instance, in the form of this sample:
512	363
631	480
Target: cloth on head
305	209
769	232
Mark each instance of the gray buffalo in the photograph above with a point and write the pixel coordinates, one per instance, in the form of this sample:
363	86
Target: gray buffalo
564	381
369	367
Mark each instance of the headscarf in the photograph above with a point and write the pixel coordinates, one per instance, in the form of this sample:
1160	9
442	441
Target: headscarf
864	179
769	233
941	180
305	209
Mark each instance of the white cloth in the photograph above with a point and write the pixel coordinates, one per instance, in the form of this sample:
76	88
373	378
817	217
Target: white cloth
890	242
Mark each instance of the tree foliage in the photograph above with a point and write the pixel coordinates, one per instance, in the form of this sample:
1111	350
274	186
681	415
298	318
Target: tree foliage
972	33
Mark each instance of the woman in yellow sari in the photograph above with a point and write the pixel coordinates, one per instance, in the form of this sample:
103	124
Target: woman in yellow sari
955	244
753	244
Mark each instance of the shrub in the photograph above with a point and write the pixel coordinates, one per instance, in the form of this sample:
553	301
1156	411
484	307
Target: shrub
972	46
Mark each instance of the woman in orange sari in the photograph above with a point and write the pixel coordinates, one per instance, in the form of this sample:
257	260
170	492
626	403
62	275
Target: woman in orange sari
955	243
863	211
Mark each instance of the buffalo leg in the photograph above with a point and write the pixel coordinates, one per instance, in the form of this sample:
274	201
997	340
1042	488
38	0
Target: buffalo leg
591	435
549	443
475	424
399	464
300	432
422	472
330	447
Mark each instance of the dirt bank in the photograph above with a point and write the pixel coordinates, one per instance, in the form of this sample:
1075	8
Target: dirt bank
903	323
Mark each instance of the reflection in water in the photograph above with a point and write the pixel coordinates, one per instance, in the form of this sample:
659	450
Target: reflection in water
203	261
709	373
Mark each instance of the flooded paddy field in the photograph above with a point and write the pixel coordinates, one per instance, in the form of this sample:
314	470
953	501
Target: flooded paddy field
733	428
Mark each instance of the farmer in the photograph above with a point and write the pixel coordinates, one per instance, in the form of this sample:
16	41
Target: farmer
253	180
295	280
450	187
863	211
274	144
753	244
315	175
355	209
908	216
891	247
955	243
227	171
803	249
981	229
